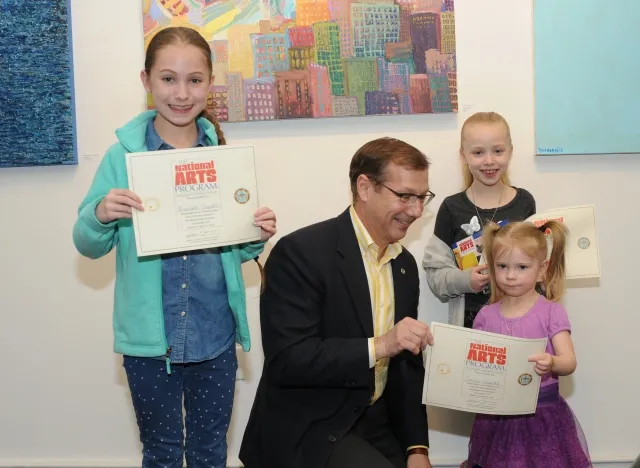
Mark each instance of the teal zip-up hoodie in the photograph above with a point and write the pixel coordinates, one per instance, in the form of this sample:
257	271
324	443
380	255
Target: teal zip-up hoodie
138	320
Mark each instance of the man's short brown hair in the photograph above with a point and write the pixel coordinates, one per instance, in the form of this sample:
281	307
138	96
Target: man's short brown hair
373	158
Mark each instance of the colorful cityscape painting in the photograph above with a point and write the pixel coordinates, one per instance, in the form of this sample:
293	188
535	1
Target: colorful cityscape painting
37	120
289	59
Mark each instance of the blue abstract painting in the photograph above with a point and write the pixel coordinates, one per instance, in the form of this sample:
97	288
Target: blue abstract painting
37	119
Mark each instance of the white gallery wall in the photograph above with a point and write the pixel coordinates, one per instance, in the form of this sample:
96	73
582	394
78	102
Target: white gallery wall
64	399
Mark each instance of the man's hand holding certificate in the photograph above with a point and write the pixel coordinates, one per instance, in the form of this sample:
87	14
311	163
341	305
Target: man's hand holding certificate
481	372
195	198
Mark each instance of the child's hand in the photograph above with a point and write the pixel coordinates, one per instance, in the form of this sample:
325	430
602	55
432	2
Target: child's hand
266	219
544	363
479	279
117	204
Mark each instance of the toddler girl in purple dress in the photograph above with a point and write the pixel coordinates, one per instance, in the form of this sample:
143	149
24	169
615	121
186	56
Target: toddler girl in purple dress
519	267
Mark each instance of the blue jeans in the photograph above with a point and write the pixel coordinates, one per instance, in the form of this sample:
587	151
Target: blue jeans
208	390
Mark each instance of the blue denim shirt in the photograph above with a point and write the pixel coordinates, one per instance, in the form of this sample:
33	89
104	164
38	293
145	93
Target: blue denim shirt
198	321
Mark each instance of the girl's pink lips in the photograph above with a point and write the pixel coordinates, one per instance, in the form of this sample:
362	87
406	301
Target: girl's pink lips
489	173
181	109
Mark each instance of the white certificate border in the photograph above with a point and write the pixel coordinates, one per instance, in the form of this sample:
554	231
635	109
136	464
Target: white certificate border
202	149
472	331
592	208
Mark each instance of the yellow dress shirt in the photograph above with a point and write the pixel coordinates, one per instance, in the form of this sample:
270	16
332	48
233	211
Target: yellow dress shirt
380	279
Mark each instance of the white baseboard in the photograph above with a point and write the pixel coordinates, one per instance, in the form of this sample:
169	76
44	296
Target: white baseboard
233	462
596	464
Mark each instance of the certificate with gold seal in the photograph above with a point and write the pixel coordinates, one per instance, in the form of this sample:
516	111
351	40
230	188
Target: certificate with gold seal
196	198
481	372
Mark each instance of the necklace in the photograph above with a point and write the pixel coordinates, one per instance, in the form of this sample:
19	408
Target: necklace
485	290
473	200
512	322
509	329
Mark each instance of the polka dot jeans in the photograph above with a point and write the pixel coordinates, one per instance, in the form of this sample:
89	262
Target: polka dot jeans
208	390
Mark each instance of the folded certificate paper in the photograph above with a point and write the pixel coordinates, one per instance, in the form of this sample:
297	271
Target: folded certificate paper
196	198
581	257
481	372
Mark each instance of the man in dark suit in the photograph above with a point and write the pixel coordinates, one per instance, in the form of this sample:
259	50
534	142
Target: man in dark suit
342	381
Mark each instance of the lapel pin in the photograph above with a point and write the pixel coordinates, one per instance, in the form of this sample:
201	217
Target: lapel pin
402	270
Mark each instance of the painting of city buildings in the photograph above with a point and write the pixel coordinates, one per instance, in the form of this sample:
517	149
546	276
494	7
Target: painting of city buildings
290	59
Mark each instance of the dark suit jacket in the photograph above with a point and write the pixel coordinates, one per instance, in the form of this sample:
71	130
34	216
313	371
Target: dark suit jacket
316	317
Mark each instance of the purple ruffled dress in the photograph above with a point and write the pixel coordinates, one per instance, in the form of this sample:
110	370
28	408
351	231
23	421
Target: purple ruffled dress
549	438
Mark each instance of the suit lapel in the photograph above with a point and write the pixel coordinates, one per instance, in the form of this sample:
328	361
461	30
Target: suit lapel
352	269
402	296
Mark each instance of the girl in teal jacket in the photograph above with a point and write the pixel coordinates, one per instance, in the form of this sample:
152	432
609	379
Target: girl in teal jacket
176	317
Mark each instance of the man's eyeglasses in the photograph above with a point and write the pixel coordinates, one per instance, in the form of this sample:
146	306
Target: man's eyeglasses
410	198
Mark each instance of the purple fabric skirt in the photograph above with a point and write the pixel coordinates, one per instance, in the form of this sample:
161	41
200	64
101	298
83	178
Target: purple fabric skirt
551	437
